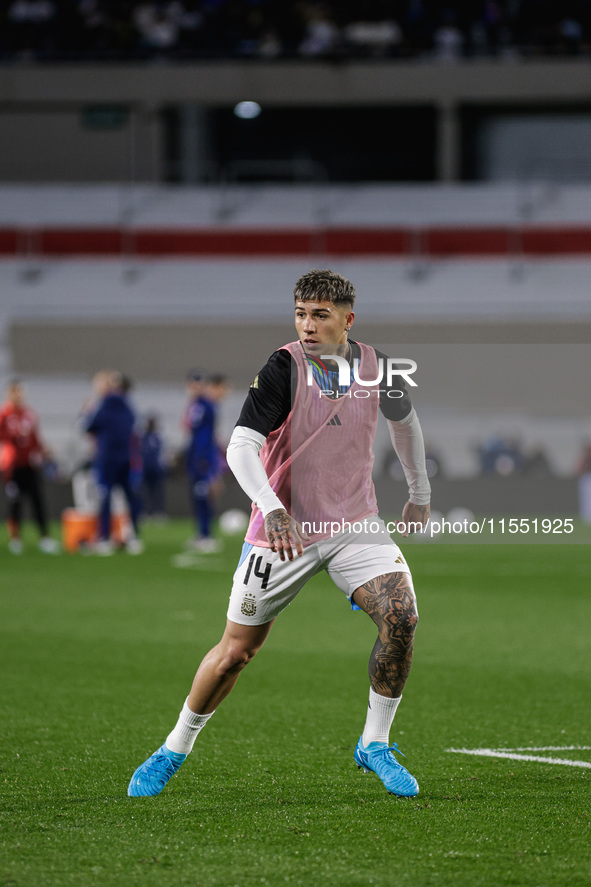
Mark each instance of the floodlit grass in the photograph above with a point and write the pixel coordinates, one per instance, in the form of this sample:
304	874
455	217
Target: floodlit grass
97	656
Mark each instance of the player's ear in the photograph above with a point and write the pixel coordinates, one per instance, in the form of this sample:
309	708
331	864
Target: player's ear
349	318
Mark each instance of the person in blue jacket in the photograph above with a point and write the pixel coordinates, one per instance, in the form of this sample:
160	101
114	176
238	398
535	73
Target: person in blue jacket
111	423
153	469
202	458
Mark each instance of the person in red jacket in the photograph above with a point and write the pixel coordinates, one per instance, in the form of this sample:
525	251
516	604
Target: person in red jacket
22	454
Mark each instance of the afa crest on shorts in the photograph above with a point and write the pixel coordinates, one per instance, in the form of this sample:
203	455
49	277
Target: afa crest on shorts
249	605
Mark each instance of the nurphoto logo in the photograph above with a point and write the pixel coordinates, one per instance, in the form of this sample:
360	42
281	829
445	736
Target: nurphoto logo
388	368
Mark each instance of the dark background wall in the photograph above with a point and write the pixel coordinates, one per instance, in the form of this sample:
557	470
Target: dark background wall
174	122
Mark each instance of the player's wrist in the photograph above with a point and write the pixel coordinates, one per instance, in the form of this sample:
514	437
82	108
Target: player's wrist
269	508
268	501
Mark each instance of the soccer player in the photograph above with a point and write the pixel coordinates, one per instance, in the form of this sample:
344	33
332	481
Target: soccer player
153	469
218	388
111	423
302	451
22	453
202	459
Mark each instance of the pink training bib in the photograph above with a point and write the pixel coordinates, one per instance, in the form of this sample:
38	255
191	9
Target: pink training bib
320	461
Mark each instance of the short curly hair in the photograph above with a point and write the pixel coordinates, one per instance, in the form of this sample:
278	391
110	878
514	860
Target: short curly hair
324	286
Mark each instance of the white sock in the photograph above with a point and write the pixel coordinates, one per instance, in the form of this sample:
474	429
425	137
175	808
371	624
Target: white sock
380	714
183	737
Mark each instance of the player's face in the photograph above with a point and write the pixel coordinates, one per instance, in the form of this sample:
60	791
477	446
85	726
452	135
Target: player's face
100	384
319	324
217	392
16	395
195	388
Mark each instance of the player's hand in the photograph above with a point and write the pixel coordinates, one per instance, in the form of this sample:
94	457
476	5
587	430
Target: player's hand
284	534
414	514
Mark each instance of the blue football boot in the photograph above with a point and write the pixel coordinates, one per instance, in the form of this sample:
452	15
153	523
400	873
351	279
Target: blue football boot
379	758
151	777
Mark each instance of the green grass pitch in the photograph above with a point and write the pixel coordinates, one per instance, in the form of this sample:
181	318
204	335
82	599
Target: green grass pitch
97	656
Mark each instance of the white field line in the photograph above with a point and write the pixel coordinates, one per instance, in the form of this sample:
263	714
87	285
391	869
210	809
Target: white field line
512	756
196	562
548	748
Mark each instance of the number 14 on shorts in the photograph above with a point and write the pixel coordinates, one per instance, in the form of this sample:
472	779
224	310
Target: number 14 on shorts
254	566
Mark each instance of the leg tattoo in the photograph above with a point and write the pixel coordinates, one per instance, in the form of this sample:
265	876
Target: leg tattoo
390	601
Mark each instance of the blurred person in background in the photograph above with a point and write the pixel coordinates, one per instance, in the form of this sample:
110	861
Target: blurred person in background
536	462
135	445
22	455
500	456
111	423
584	473
202	459
218	388
153	470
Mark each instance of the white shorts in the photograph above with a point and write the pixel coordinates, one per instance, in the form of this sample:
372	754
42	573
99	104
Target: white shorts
264	585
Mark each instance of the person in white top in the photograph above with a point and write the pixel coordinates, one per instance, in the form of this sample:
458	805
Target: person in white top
302	451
